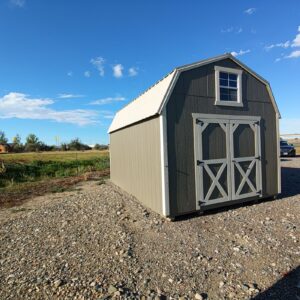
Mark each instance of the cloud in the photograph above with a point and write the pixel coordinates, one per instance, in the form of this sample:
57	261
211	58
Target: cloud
21	106
70	73
98	63
278	45
69	96
133	71
241	52
294	54
87	74
18	3
118	70
231	29
250	11
227	30
108	100
296	41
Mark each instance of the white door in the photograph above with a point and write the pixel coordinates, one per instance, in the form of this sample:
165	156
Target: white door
227	158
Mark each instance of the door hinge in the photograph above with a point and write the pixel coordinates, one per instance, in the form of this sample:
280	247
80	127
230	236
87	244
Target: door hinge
198	121
199	162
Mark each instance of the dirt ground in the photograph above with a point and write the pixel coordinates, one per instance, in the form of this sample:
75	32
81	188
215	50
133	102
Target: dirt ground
95	242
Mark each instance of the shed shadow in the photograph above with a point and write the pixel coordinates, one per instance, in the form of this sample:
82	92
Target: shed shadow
286	288
290	182
290	187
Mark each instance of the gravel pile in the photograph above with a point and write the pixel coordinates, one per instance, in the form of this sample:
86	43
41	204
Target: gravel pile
97	243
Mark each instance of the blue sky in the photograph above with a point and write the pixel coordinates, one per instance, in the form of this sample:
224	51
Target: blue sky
67	66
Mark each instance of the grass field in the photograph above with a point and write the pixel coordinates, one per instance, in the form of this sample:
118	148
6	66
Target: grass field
52	156
26	174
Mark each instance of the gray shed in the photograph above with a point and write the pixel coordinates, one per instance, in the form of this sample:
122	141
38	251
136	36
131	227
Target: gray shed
204	136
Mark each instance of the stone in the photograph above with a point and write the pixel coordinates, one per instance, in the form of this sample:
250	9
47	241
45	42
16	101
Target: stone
198	296
112	289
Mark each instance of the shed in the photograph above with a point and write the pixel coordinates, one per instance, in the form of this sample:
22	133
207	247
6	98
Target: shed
204	136
5	148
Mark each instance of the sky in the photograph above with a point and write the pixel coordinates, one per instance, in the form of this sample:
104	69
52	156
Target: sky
66	66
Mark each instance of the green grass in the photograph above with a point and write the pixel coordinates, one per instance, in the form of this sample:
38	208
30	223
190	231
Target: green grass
30	167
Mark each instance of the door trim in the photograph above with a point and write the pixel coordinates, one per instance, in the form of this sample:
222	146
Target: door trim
198	151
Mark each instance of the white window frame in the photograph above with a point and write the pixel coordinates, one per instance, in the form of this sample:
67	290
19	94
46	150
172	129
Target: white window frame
237	72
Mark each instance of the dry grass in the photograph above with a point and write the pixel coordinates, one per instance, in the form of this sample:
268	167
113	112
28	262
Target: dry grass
17	194
52	156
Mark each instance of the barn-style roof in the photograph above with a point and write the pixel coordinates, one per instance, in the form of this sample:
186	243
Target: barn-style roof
153	100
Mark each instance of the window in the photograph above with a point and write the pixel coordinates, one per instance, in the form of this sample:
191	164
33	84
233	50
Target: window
228	86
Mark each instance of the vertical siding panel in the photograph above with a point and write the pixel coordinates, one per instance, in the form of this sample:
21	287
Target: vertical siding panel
136	162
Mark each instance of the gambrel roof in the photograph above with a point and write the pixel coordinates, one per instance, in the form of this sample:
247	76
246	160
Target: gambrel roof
153	100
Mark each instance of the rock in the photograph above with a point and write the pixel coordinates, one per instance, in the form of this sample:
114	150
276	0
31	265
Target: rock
112	289
221	284
198	296
57	283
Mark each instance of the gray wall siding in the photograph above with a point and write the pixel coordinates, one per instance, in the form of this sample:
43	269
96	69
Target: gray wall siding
195	93
136	162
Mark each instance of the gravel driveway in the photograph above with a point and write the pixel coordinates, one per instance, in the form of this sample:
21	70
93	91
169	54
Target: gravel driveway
96	243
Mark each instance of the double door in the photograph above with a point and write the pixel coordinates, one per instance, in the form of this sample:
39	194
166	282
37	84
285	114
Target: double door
227	158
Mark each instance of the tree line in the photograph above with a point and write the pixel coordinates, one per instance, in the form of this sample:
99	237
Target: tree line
33	143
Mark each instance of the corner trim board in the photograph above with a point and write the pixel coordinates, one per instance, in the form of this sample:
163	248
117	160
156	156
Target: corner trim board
278	154
164	164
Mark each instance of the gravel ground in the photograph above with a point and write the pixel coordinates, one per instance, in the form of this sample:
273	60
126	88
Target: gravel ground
97	243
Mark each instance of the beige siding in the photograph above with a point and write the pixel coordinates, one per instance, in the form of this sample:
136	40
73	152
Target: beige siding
136	162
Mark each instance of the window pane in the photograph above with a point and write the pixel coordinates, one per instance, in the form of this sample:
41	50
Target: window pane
232	83
232	95
223	91
223	82
224	75
232	76
224	97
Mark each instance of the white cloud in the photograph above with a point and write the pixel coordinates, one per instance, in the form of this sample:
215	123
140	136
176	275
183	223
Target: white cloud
227	30
18	3
109	116
278	45
108	100
118	70
21	106
296	41
289	126
87	74
250	11
69	96
241	52
70	73
133	71
98	63
294	54
231	29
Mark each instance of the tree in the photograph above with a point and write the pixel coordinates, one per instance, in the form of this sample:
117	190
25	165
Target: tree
100	147
64	147
17	140
17	146
3	138
76	144
32	143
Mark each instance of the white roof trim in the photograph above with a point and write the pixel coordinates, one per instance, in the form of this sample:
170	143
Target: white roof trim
153	100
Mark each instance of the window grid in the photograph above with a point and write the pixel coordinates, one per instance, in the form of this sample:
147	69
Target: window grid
228	86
